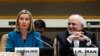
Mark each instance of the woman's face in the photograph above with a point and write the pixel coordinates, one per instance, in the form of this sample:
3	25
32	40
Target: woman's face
24	21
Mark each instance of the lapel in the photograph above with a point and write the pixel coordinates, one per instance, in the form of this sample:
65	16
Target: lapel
64	39
19	39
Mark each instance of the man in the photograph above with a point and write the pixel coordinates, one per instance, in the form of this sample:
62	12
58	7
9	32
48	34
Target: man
75	36
40	26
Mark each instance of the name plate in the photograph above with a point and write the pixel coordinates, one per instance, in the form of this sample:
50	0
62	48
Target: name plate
27	51
85	51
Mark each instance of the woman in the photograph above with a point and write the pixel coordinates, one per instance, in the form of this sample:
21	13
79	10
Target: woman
23	35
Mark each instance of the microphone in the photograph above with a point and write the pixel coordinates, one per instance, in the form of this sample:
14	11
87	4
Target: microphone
44	42
93	45
24	40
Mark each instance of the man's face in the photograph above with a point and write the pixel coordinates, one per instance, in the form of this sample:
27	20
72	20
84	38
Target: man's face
74	25
41	30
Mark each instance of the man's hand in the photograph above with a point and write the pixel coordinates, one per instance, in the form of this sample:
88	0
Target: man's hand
75	36
78	36
84	38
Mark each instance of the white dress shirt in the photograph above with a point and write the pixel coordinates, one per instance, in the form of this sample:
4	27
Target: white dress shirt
76	42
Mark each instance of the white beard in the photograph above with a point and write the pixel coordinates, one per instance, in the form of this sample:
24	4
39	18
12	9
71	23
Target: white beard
70	31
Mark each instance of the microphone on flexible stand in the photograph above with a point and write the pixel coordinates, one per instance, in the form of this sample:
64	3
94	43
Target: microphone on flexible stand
93	45
44	42
89	27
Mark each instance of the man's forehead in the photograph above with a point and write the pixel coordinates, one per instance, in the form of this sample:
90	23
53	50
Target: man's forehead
73	20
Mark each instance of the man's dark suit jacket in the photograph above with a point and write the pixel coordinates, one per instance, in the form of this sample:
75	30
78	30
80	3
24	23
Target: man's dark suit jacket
65	48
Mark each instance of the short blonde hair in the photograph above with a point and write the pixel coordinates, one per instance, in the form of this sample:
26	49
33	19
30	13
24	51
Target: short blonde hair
30	18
